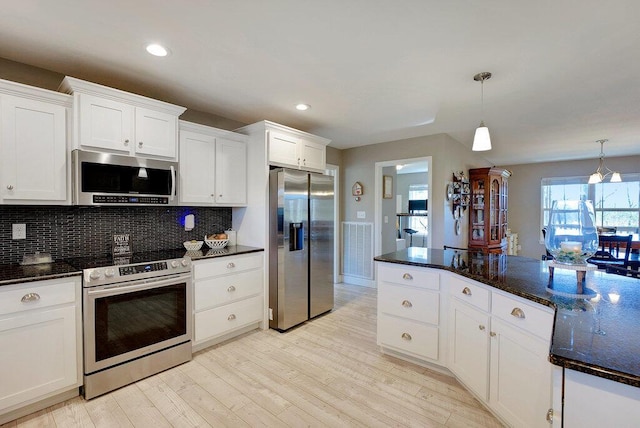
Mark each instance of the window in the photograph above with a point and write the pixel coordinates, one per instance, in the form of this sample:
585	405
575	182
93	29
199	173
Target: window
616	204
418	192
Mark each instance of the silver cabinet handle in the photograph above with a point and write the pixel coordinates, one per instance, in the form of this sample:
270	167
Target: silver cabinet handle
466	291
518	313
492	334
231	317
481	327
10	187
550	415
407	276
304	161
30	297
140	144
231	289
407	304
230	265
126	142
406	336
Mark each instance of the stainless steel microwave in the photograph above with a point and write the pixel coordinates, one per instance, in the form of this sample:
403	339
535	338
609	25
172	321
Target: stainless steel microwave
107	179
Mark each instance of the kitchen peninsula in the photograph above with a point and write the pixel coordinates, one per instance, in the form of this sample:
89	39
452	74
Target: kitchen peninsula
589	340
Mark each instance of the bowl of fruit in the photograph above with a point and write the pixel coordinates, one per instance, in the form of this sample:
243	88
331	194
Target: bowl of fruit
218	240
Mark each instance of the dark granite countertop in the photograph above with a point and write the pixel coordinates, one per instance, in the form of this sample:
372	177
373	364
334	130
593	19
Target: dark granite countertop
597	334
15	273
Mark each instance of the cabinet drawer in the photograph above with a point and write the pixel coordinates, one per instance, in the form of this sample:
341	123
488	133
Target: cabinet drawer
408	336
221	290
217	321
406	275
409	302
38	294
470	293
530	317
226	265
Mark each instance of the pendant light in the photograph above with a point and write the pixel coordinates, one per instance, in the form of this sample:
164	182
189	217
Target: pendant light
602	172
481	139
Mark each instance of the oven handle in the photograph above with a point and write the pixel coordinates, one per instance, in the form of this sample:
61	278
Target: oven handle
142	284
173	183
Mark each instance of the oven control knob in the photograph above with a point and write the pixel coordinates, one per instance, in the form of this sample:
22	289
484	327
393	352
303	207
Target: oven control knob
95	274
185	262
175	264
109	272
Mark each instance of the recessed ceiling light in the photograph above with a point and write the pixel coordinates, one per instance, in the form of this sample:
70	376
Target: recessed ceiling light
157	50
303	107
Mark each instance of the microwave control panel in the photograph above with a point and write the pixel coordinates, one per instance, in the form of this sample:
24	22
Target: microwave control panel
120	199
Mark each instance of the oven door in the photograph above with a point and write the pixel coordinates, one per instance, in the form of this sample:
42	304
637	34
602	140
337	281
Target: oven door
126	321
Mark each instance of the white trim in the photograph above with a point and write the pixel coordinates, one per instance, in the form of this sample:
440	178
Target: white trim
335	172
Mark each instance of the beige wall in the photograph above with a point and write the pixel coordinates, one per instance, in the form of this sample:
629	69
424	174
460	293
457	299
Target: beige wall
524	194
448	156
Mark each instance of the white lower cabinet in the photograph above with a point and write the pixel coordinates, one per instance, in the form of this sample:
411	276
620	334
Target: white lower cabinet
228	297
495	343
39	343
409	311
618	405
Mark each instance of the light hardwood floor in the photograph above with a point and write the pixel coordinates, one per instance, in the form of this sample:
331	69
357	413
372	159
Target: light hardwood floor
326	373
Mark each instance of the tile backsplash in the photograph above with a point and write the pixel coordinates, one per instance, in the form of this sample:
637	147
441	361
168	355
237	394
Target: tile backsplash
72	231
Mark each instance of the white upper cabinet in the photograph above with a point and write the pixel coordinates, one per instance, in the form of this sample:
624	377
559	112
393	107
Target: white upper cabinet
110	120
290	148
33	145
213	166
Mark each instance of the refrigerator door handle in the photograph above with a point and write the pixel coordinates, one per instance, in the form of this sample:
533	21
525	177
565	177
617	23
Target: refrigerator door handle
296	236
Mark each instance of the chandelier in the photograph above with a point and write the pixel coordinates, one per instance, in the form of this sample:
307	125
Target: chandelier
603	172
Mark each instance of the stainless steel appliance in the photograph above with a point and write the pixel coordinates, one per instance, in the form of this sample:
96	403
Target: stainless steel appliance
137	319
106	179
301	233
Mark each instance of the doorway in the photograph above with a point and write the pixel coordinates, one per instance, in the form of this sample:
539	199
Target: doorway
402	216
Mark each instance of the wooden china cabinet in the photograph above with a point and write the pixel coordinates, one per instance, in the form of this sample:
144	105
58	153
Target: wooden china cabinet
488	219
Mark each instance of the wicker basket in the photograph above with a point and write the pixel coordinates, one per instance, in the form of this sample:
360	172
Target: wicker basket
216	243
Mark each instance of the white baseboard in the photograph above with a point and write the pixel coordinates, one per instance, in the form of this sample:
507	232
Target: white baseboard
354	280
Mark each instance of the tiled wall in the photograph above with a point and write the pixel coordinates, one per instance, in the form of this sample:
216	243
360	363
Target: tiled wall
87	231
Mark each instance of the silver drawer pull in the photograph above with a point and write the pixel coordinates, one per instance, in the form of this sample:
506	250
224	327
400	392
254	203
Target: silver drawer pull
30	297
231	317
407	304
230	265
481	327
518	313
9	187
550	415
406	336
466	291
140	144
407	276
231	289
492	334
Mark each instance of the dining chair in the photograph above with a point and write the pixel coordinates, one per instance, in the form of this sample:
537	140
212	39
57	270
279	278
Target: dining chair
631	268
610	251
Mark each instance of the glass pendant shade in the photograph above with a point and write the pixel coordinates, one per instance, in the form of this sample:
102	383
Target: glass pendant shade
571	235
596	177
616	178
481	139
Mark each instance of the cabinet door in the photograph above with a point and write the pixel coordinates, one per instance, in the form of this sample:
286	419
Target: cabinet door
197	163
33	146
231	172
156	133
312	155
105	124
283	149
469	347
37	354
520	376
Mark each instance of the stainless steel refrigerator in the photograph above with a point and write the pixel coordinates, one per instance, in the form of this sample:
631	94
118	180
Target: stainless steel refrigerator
301	235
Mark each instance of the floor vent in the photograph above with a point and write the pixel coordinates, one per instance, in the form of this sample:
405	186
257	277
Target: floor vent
357	245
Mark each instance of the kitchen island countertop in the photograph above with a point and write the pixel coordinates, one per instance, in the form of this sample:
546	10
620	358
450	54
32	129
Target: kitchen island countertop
612	306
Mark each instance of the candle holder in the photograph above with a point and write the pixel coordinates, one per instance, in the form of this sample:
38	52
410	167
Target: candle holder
571	235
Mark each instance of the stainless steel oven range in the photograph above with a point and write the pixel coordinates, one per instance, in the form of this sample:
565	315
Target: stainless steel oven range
136	319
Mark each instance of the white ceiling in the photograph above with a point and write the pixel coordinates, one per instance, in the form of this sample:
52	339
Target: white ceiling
564	71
